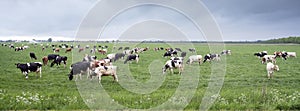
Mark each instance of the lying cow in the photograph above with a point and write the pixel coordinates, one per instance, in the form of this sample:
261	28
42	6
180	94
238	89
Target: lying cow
194	58
209	57
172	64
270	69
30	67
77	69
226	52
32	56
106	71
132	57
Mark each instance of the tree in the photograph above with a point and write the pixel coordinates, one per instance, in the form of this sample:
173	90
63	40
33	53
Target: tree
50	40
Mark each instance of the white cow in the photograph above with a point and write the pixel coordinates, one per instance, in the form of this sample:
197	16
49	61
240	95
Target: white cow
106	71
271	68
291	54
171	64
268	58
194	58
111	56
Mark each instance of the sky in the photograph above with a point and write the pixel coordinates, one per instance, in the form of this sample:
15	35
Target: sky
238	20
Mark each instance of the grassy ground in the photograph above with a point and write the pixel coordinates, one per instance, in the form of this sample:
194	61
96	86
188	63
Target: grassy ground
245	85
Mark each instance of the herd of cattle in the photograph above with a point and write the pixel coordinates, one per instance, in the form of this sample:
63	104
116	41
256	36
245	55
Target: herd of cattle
271	60
93	67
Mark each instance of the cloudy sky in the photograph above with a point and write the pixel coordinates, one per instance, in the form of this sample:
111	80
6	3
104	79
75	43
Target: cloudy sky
237	19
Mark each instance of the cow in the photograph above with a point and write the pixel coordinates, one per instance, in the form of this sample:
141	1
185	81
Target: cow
290	54
132	57
209	57
128	52
170	53
126	48
271	68
194	58
120	48
178	49
192	50
79	68
268	58
88	58
45	60
80	50
56	49
60	59
19	49
102	51
183	54
226	52
30	67
118	56
52	57
32	56
172	64
111	56
68	50
106	71
261	54
176	58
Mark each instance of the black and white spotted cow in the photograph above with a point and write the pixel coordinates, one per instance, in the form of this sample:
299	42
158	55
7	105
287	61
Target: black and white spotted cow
209	57
60	59
170	53
32	55
172	64
77	69
52	57
119	56
132	57
226	52
30	67
261	54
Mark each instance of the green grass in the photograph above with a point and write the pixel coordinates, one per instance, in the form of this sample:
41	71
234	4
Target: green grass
245	87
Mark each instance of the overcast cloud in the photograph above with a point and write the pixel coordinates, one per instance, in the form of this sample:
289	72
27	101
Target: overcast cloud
237	19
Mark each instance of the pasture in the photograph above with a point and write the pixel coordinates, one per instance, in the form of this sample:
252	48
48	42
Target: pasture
245	87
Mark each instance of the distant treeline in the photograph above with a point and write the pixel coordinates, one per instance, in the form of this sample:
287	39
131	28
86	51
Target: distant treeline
295	40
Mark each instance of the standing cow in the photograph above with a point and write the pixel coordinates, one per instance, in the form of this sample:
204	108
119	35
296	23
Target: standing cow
32	56
30	67
172	64
132	57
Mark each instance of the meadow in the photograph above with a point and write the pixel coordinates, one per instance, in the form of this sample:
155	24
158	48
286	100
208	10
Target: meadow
245	86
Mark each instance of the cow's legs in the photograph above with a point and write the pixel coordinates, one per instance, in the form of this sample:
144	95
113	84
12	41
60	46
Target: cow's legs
115	77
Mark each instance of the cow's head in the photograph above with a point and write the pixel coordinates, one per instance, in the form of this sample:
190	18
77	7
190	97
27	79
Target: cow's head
17	64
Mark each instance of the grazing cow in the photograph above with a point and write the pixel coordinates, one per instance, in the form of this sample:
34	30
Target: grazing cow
170	53
209	57
128	52
52	57
176	58
106	71
25	47
126	48
88	58
171	64
183	54
102	51
192	50
194	58
132	57
111	56
56	49
32	56
120	48
78	69
68	50
178	49
45	60
226	52
270	69
268	58
80	49
19	49
60	59
30	67
161	48
118	56
261	54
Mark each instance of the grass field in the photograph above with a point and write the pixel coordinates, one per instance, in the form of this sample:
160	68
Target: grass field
245	87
